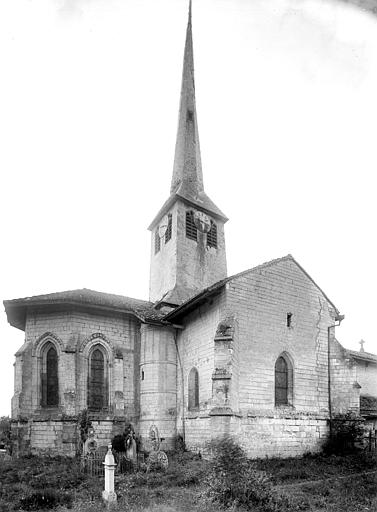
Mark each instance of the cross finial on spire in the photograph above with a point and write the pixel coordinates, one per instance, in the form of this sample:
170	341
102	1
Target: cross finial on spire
361	342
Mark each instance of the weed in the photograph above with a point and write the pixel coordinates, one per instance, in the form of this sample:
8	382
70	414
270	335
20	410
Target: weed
232	480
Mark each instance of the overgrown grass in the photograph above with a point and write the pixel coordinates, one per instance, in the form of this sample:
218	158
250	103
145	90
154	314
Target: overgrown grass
313	483
318	466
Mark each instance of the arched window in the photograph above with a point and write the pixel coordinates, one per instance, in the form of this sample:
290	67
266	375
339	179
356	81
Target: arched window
50	378
97	379
283	381
193	389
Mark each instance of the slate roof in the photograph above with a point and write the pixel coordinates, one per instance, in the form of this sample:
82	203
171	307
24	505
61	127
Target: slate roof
16	309
200	200
187	179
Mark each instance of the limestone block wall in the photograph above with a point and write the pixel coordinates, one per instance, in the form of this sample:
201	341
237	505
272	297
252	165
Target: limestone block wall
345	391
73	333
163	264
267	434
183	264
196	349
199	266
367	377
51	436
241	335
260	300
158	383
275	435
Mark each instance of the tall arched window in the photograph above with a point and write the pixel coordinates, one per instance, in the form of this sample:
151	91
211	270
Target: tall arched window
97	379
50	378
193	389
283	381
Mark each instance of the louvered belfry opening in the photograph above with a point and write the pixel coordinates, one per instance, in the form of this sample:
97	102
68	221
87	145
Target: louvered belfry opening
157	242
212	236
191	229
168	231
97	389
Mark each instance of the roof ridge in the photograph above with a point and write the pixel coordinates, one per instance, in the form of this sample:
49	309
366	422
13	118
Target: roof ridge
76	290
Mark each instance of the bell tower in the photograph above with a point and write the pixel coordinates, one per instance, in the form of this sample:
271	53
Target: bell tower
188	243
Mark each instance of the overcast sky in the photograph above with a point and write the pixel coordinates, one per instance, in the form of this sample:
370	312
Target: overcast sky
89	95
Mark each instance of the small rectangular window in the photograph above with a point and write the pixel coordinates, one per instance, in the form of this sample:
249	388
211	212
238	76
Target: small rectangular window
289	319
191	229
157	242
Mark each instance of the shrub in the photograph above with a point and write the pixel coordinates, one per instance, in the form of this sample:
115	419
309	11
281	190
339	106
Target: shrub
232	479
46	499
347	431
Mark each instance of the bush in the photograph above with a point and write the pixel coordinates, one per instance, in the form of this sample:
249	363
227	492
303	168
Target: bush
232	479
46	499
347	431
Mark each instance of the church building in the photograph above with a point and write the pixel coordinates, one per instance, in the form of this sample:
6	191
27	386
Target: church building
253	355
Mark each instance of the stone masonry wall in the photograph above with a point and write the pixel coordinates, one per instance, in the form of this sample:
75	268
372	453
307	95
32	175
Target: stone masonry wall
158	383
163	264
345	390
59	437
271	435
256	304
196	349
260	301
199	266
185	264
72	333
367	377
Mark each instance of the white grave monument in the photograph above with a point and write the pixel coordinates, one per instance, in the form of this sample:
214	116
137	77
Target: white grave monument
109	494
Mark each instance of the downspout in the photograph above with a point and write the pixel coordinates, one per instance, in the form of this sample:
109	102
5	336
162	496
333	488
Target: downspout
338	319
182	386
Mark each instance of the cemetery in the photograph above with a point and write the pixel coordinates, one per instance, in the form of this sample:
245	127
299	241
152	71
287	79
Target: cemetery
129	476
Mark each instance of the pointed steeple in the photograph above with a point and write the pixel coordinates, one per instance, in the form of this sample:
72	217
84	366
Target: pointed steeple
188	240
187	173
187	180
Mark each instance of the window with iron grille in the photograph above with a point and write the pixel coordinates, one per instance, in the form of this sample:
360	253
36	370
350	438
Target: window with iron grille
212	236
193	389
169	228
191	229
283	381
157	242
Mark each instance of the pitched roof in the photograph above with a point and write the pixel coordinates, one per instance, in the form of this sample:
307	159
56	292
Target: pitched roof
215	288
362	356
16	309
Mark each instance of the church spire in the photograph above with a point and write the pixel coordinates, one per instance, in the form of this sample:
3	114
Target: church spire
187	173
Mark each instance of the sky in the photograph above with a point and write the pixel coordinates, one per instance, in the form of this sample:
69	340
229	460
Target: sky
286	103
